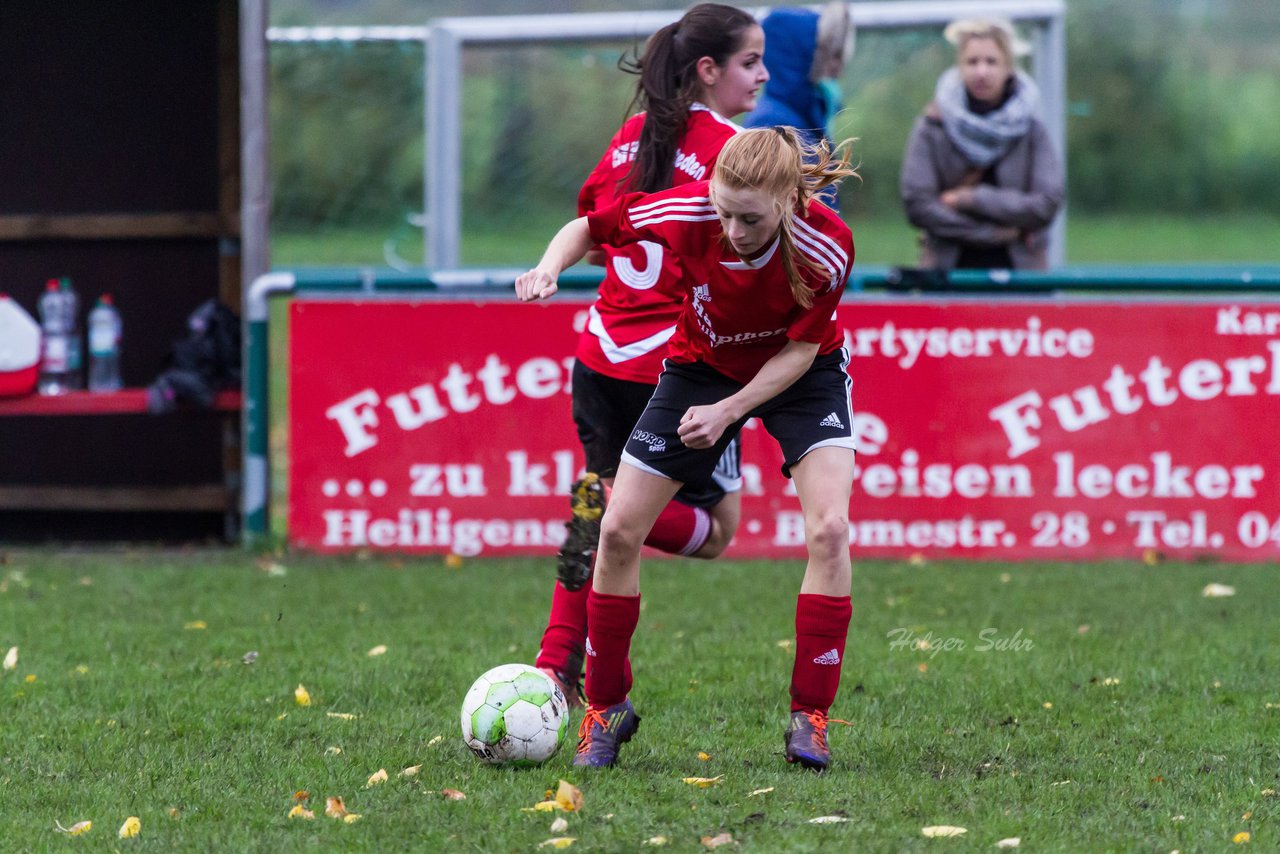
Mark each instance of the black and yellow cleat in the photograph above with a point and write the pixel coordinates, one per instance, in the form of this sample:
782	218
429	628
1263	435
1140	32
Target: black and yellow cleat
582	532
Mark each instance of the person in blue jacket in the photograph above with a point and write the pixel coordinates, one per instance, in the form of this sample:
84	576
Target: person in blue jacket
805	52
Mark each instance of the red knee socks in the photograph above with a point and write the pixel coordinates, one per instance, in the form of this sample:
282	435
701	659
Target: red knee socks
566	630
611	621
822	623
680	529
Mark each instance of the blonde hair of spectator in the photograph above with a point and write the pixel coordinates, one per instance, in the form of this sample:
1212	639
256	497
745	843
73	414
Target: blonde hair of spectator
835	41
998	30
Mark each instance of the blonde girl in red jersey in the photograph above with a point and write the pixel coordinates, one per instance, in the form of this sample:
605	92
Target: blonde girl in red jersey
693	75
765	265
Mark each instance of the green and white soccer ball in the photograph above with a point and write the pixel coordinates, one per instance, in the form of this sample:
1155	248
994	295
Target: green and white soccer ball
514	715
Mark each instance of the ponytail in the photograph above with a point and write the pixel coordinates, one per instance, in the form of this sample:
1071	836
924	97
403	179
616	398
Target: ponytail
668	84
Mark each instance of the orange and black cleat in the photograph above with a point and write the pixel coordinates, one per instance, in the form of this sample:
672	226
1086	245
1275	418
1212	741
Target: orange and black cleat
806	740
602	732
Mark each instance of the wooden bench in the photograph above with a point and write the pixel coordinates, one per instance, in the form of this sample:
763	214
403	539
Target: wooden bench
204	497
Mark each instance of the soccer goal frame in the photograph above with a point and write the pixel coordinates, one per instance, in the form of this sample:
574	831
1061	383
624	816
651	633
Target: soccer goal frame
446	38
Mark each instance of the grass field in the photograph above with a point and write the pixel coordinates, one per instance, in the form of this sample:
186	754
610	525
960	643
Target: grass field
1247	239
1080	708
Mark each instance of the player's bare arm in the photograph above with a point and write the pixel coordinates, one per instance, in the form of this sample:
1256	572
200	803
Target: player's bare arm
565	249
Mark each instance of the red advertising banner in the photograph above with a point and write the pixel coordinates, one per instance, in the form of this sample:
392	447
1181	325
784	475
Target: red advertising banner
1007	429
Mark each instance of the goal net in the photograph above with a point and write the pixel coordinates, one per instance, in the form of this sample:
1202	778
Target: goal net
465	142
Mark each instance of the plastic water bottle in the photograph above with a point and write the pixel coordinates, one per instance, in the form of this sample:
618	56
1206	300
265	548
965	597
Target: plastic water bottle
75	346
105	328
55	329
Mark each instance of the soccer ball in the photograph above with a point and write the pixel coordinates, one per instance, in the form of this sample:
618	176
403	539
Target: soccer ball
514	715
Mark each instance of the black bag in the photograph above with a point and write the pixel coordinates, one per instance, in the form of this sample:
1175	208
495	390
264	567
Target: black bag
202	364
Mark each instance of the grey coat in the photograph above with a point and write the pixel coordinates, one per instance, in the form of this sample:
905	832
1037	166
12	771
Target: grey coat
1027	195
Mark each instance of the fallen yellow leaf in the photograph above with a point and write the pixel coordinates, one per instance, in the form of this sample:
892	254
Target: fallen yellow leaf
453	795
557	842
334	807
377	777
559	825
704	756
332	750
1242	837
299	811
760	792
433	742
1010	842
569	796
1215	591
710	842
703	782
941	831
301	796
343	716
828	819
656	840
380	649
453	561
29	678
132	827
195	625
542	806
411	771
352	817
76	829
11	658
301	695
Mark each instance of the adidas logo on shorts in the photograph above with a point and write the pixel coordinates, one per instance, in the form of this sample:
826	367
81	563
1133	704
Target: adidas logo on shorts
591	650
832	420
831	656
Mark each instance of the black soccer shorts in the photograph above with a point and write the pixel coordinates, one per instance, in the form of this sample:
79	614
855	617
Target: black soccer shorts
816	411
606	409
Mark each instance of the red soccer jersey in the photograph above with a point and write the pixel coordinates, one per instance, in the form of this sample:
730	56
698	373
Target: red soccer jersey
640	297
739	314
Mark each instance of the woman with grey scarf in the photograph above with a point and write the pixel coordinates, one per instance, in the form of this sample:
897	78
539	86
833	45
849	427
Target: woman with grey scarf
980	177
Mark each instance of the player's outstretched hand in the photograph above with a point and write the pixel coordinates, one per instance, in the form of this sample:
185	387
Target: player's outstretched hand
535	284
